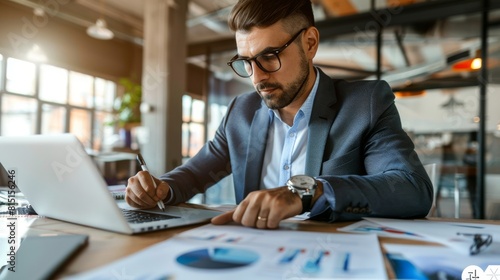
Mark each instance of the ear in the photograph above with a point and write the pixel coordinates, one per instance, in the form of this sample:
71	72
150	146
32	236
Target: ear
311	42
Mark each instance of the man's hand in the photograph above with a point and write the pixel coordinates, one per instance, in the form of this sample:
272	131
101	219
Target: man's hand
141	192
263	209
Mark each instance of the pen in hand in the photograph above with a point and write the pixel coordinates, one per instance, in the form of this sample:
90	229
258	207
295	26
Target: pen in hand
145	168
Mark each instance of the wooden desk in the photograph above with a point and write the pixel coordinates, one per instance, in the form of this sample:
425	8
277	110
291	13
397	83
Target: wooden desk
105	247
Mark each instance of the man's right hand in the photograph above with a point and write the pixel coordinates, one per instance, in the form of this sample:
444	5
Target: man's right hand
141	192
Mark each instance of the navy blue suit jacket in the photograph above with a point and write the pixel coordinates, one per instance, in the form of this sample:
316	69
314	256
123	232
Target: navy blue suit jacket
356	143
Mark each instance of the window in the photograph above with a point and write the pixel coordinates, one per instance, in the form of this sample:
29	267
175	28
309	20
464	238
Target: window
81	90
194	137
63	101
193	126
18	115
53	119
53	84
104	94
20	76
80	125
1	71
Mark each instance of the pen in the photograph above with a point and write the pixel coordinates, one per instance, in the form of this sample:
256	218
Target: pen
145	168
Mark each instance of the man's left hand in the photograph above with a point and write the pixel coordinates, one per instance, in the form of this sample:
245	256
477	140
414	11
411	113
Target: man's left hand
263	209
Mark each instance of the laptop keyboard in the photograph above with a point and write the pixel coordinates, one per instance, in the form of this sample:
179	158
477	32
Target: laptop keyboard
136	217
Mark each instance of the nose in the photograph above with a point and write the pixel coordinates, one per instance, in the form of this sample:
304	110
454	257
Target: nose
258	74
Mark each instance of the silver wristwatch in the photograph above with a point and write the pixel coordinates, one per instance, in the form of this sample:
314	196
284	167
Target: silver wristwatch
305	187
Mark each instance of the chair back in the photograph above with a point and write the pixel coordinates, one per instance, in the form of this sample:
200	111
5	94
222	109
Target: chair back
431	170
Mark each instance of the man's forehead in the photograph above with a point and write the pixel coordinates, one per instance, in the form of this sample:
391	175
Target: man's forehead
256	40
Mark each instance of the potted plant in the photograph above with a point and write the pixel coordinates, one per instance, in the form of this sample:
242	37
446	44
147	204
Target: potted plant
127	109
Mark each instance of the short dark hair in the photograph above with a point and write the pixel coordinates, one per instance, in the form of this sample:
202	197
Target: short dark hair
247	14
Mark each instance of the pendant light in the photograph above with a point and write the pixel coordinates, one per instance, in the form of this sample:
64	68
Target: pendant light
100	29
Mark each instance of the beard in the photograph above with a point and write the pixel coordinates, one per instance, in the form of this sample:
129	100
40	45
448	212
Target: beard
282	96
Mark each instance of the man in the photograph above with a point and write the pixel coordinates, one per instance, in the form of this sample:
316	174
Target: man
345	137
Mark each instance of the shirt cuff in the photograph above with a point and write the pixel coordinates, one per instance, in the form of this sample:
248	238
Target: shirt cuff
170	197
327	200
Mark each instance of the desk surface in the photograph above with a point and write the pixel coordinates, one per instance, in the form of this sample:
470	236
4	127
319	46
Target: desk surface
105	247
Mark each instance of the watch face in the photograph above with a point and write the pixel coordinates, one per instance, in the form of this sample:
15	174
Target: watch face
302	182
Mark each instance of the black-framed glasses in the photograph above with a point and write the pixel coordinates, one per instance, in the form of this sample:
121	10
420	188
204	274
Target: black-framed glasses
267	61
479	243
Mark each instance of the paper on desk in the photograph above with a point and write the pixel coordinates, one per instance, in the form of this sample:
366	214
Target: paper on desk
236	252
434	262
365	226
451	234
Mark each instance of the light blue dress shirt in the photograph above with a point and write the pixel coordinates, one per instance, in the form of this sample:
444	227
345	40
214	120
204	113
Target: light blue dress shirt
286	149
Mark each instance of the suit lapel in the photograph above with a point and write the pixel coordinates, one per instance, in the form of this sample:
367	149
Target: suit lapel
322	117
256	149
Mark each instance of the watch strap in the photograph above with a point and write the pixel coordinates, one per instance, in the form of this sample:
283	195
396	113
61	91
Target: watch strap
306	202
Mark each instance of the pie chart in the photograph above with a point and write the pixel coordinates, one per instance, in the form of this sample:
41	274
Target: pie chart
218	258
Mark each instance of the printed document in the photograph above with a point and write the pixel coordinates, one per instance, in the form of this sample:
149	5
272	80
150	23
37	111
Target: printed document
236	252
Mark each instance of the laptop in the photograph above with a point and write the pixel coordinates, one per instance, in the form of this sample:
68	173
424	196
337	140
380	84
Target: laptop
61	181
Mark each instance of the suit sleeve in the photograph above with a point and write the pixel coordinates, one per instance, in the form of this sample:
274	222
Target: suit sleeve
392	181
210	165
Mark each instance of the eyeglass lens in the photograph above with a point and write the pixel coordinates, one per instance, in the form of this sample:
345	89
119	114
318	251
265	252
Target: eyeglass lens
268	62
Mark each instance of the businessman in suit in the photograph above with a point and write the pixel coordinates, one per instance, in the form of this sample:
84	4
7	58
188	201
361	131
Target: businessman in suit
302	141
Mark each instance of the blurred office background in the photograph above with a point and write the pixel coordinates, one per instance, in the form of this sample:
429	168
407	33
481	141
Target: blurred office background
129	76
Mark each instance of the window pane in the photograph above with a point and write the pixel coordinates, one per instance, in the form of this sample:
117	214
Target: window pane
104	94
18	115
185	140
53	119
102	132
80	89
196	138
216	114
198	113
1	73
53	84
20	76
80	125
186	108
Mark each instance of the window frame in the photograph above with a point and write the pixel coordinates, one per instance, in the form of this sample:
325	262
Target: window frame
67	106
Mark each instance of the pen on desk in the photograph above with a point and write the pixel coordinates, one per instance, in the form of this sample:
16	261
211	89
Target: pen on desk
145	168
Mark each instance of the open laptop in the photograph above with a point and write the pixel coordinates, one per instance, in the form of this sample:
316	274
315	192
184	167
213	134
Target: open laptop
61	181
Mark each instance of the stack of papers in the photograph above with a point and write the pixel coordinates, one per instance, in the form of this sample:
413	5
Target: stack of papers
467	250
236	252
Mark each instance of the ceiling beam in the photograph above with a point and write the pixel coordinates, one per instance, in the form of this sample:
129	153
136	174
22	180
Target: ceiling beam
441	83
113	13
338	8
399	15
414	13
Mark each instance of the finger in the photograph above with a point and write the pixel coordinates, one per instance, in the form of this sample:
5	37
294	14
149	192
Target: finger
263	218
274	217
148	184
130	197
135	190
133	201
223	218
240	211
249	218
